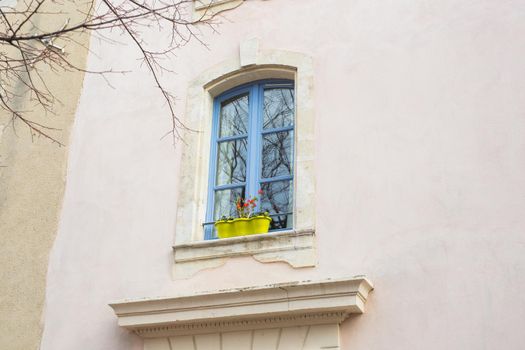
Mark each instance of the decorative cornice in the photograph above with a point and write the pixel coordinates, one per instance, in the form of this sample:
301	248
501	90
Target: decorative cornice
251	324
279	305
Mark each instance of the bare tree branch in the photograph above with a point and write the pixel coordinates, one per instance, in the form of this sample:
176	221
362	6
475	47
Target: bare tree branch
26	50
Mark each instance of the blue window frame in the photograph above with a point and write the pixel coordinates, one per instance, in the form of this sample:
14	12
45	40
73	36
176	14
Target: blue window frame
252	148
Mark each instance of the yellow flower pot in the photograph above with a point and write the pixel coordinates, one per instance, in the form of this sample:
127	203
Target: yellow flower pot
243	226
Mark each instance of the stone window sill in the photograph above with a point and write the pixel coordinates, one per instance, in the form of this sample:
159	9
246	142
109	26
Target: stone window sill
296	247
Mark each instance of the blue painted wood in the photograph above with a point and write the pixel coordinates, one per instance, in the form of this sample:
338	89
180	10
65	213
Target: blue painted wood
229	186
255	93
276	130
232	138
252	158
277	178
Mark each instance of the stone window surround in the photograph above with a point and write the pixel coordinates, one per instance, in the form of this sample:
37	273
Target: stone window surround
209	8
298	315
297	246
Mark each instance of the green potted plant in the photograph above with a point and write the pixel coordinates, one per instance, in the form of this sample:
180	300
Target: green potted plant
248	223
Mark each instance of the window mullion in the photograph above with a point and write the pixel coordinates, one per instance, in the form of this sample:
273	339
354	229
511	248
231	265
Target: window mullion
273	131
253	159
277	178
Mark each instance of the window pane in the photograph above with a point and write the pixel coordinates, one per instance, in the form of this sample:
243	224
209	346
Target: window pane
278	108
231	161
277	198
277	154
225	202
234	116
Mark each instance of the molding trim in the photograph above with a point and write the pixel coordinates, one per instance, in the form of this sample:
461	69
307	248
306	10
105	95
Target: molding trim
206	9
297	248
233	326
273	306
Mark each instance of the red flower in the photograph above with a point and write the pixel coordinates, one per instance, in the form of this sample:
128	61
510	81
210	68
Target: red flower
260	191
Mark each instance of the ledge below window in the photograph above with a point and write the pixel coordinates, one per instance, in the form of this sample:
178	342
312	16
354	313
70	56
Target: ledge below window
296	248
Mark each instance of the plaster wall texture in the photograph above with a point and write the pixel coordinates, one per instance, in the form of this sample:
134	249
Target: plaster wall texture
32	183
420	161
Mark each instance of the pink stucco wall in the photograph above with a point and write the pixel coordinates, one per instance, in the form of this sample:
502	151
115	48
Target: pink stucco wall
420	168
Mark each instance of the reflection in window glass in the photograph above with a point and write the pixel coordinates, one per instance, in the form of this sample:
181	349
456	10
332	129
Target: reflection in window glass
234	116
231	162
225	202
276	199
277	154
278	108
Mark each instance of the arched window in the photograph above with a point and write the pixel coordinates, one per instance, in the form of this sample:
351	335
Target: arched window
198	187
252	151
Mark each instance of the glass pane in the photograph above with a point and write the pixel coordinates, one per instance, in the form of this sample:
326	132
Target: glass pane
277	198
278	108
231	161
234	116
277	154
225	202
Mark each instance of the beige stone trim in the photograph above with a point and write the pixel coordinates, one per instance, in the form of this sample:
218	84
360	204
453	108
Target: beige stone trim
296	304
196	150
208	8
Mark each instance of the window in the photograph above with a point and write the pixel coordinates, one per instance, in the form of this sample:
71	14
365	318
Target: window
193	248
252	149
